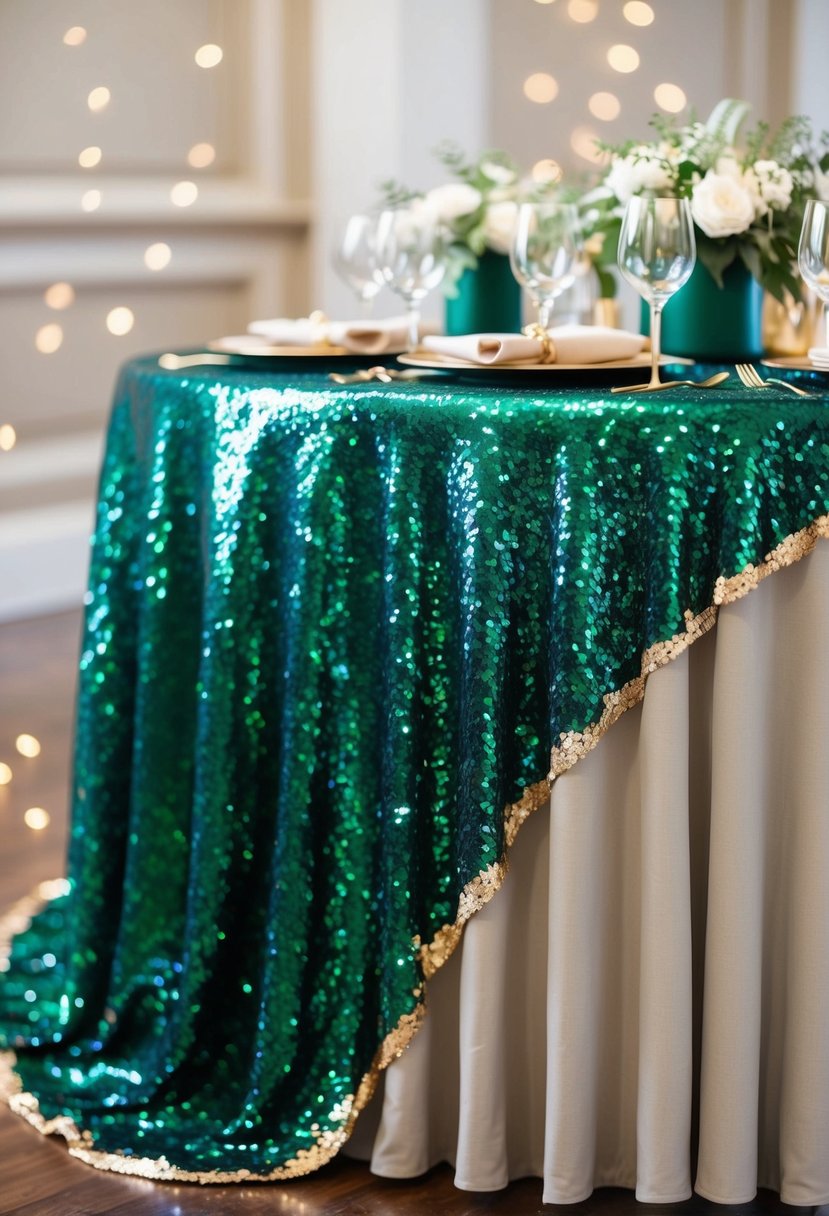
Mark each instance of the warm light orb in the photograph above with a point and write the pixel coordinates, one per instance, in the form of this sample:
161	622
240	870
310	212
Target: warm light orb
541	88
90	200
120	321
99	98
36	818
74	36
209	55
547	171
670	97
28	746
638	13
583	143
8	437
48	339
157	256
59	296
623	58
90	157
183	194
5	774
605	106
582	10
201	155
545	1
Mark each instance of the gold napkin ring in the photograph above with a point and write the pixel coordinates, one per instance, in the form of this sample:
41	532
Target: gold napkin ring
548	349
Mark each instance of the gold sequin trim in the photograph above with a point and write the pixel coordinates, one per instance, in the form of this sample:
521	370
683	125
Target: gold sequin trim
572	747
575	744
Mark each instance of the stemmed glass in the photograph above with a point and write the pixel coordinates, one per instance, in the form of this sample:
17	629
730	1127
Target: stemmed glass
410	253
544	253
656	255
813	255
355	259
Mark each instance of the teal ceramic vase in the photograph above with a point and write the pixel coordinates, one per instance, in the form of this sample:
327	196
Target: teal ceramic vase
711	323
488	299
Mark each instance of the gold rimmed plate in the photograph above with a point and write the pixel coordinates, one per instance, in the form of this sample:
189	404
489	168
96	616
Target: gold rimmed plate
430	359
795	363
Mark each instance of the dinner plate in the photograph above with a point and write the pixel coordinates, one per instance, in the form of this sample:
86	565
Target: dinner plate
796	363
249	346
448	363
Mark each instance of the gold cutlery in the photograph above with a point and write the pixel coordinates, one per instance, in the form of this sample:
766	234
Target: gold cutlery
751	378
384	374
711	382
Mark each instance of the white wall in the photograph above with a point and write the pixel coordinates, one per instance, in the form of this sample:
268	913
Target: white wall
392	79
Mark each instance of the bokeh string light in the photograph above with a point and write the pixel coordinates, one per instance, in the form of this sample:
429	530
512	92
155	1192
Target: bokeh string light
120	321
36	818
49	338
59	296
28	746
157	256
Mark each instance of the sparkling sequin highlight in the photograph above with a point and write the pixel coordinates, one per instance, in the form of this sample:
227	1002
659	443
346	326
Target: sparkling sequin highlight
331	634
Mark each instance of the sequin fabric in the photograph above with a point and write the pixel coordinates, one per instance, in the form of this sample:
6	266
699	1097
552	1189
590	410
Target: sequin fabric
331	634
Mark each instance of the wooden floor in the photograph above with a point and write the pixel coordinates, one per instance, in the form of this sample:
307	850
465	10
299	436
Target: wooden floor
37	1176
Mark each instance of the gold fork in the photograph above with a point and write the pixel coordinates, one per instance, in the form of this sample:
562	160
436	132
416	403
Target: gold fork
384	374
751	378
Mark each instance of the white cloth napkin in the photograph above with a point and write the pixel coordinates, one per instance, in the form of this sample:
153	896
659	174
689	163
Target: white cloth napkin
360	337
819	357
570	344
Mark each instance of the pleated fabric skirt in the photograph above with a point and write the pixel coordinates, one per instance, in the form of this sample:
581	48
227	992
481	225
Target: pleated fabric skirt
645	1003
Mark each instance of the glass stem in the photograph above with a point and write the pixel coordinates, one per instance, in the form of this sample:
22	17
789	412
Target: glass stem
545	312
413	323
656	333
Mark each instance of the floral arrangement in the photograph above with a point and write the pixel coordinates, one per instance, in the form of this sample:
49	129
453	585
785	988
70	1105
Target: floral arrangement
477	210
747	202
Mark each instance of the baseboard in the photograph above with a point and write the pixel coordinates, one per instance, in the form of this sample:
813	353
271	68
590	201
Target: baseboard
44	559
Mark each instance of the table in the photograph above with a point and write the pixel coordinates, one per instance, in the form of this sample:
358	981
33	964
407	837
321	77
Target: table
331	634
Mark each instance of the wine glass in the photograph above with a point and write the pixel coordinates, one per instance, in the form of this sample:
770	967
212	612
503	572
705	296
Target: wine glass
656	255
355	260
813	255
544	253
410	253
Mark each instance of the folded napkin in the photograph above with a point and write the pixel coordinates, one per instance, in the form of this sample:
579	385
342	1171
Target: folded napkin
360	337
819	357
567	344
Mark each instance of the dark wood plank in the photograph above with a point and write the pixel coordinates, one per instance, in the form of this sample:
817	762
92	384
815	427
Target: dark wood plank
37	1175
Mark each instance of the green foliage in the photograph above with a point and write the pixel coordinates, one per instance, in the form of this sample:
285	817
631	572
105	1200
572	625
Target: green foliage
685	154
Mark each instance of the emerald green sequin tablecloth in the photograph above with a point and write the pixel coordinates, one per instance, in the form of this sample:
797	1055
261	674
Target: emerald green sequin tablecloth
336	640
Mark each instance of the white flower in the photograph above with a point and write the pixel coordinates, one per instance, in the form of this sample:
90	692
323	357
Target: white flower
452	201
499	224
729	166
773	185
500	174
642	169
721	205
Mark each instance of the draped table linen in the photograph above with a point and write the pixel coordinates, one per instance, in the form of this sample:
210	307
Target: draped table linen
331	635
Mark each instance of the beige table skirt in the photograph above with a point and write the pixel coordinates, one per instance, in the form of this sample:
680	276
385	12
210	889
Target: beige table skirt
650	988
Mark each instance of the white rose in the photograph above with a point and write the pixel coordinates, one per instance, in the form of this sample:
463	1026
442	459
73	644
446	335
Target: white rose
641	169
452	201
500	174
774	186
620	179
721	206
499	225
